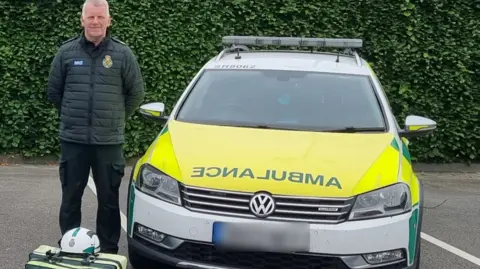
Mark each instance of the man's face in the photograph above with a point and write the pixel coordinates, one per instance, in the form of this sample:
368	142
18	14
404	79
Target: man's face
95	21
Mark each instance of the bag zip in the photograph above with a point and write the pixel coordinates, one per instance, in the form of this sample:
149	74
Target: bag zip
67	261
93	263
110	260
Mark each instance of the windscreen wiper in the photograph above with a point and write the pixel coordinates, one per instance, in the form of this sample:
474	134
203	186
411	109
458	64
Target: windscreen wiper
262	126
351	129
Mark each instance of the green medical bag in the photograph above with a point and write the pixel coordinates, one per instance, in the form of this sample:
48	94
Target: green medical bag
52	258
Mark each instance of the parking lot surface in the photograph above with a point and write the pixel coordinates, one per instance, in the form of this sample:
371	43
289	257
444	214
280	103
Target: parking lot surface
30	198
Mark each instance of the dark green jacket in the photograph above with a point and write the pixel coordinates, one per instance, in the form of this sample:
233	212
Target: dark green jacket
95	89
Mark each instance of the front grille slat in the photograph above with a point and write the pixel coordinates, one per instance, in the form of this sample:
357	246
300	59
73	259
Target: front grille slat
312	205
215	212
216	205
288	208
217	197
308	212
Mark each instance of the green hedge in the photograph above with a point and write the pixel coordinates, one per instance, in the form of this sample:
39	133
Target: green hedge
426	53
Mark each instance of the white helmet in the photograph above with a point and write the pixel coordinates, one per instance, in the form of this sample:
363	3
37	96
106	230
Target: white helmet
80	241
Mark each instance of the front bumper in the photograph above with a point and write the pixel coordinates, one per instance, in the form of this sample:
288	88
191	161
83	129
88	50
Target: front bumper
189	241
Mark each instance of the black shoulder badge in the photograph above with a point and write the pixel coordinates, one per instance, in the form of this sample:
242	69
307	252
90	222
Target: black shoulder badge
69	40
118	40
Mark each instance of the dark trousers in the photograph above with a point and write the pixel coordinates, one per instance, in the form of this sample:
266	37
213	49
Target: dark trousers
107	164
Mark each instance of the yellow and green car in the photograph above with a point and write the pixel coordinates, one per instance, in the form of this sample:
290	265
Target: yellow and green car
281	159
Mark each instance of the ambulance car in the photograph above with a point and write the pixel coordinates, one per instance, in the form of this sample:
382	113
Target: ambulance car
279	158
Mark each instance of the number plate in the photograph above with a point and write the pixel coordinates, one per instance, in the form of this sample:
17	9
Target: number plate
291	237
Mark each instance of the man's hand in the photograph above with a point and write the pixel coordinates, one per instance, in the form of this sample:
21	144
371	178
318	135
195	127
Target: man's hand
133	82
56	81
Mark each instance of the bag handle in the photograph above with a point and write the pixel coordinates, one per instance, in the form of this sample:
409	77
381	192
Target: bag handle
87	258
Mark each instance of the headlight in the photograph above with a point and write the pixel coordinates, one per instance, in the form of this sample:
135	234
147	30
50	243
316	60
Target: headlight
158	184
392	200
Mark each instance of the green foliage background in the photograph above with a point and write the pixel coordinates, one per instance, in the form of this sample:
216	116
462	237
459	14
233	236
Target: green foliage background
426	53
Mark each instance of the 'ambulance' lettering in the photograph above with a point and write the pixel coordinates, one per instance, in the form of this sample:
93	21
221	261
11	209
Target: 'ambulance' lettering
276	175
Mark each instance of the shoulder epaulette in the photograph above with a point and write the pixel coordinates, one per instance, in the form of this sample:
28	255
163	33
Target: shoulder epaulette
118	40
70	39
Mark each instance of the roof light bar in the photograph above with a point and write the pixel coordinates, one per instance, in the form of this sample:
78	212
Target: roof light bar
292	41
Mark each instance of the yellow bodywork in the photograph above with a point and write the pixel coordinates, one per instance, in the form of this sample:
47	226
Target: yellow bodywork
278	161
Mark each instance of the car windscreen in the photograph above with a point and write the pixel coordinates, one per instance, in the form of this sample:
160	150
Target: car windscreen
295	100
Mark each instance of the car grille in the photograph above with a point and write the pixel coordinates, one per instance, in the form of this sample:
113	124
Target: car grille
208	254
288	208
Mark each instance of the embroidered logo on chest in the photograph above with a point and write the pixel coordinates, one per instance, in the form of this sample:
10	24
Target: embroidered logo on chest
107	61
79	62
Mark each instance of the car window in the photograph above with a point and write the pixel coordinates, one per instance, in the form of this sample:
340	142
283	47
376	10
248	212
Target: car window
291	99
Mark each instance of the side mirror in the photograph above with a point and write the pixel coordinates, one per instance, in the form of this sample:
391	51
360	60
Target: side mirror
154	111
417	126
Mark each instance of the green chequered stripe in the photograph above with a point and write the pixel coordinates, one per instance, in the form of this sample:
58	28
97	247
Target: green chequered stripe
131	201
412	235
405	151
394	144
413	221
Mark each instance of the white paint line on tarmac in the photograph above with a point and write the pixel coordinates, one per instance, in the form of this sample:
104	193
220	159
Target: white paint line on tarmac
429	238
123	218
451	249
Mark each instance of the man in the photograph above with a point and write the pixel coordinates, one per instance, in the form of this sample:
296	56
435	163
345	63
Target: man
96	84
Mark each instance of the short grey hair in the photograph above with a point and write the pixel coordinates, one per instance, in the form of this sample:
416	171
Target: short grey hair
97	3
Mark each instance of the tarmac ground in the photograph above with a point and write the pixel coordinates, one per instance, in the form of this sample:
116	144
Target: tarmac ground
30	198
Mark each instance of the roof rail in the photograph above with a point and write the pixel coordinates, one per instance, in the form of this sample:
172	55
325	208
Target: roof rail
354	53
238	43
357	58
293	41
